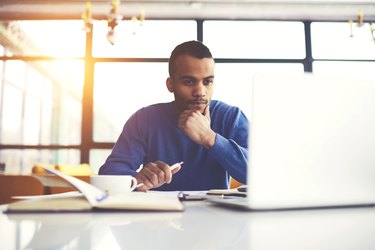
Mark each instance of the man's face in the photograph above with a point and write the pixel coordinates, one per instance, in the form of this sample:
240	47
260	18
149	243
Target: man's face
192	82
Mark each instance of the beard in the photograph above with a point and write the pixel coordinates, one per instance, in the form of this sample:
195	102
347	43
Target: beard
197	104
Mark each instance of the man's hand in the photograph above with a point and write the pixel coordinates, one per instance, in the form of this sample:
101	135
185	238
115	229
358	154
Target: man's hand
154	175
197	126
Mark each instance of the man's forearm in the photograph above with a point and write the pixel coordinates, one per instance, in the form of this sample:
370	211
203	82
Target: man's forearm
231	156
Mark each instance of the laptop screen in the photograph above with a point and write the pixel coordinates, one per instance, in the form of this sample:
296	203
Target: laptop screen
312	141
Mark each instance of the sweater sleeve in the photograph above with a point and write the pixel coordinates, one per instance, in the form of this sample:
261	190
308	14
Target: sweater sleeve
231	150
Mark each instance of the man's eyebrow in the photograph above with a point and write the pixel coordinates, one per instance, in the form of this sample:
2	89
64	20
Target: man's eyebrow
187	77
209	77
194	78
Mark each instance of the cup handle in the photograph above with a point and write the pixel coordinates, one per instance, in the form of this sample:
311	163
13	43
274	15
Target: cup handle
134	183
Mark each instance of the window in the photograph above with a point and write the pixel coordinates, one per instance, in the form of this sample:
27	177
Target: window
332	42
359	70
123	88
154	39
42	102
233	81
11	115
97	158
337	41
45	38
255	39
43	88
21	161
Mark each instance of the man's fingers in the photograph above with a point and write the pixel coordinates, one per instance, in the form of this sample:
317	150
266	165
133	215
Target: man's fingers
143	183
207	111
166	171
142	187
155	174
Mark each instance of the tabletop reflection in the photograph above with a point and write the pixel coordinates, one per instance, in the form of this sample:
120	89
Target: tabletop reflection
200	226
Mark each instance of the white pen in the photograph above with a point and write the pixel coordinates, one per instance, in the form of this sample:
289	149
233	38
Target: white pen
171	168
175	165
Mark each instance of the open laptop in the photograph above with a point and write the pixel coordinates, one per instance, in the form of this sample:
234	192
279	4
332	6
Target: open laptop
311	143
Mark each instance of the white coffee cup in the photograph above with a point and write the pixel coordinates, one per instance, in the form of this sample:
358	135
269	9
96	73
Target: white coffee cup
114	184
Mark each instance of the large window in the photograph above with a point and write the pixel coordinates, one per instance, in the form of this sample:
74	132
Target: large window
122	88
42	102
233	81
41	93
353	46
62	104
255	39
342	41
152	39
44	38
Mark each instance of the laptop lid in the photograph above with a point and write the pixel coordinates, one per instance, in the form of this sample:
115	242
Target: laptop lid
312	142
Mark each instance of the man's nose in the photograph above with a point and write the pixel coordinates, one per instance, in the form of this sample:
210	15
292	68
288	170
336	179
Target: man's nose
200	89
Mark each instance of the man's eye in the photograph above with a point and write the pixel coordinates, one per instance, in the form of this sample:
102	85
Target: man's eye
208	81
188	82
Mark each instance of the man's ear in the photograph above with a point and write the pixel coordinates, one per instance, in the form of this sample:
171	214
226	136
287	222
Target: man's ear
169	85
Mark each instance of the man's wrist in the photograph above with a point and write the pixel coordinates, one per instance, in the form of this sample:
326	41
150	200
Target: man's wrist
210	141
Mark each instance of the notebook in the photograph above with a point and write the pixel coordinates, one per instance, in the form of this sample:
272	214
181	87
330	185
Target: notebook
89	198
311	143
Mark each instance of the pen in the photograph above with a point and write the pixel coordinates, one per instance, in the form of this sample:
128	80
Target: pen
175	165
171	168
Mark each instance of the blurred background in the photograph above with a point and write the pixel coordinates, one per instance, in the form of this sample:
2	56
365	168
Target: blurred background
72	72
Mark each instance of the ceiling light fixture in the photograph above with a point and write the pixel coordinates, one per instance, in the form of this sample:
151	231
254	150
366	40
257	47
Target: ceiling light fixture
135	20
112	21
86	17
360	24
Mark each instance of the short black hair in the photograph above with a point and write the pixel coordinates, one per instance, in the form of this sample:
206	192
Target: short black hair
192	48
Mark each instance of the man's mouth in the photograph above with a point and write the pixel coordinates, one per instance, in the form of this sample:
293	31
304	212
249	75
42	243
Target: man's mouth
198	105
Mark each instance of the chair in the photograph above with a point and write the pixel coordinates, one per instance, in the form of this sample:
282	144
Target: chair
18	185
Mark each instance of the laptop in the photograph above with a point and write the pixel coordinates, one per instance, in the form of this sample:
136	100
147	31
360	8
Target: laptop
311	143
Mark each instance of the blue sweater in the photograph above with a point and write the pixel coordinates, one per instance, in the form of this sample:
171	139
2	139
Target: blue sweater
152	134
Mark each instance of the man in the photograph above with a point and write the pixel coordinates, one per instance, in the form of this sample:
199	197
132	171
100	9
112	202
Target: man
209	137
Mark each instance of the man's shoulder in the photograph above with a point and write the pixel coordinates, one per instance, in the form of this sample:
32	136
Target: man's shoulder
220	105
221	110
156	107
155	111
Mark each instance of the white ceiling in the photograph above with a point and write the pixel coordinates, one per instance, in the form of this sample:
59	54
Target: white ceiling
211	9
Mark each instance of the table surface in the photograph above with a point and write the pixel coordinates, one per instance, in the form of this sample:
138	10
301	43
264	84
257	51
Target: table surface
201	226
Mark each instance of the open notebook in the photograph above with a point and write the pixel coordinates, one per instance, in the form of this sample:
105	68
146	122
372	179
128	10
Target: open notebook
311	143
91	198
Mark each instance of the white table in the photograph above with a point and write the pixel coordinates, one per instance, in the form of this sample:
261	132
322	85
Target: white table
200	226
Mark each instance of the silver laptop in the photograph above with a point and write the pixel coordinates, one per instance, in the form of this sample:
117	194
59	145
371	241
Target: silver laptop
311	143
